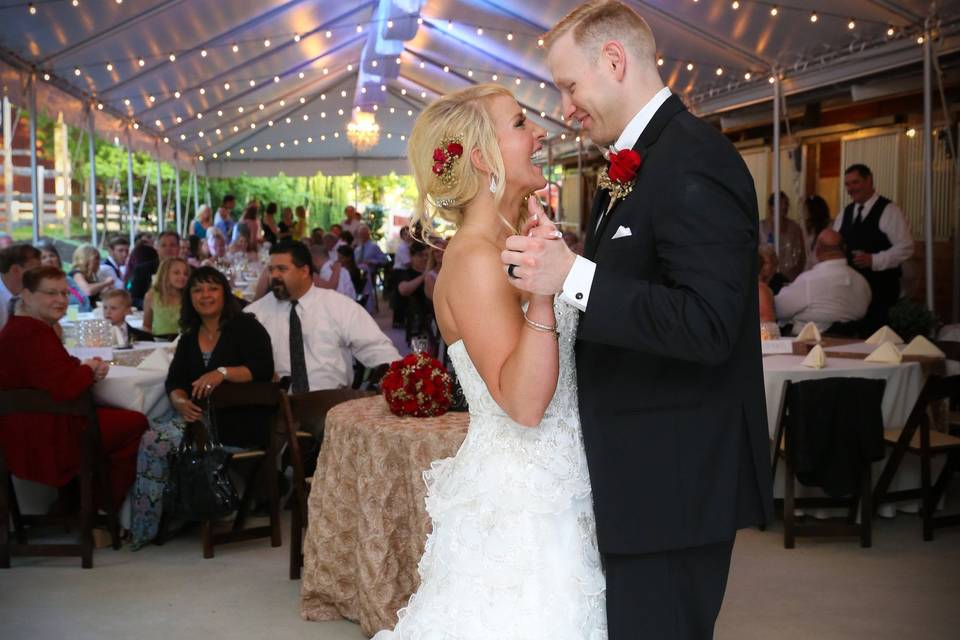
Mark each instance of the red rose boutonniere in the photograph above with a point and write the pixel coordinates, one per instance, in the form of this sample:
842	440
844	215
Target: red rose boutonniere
619	176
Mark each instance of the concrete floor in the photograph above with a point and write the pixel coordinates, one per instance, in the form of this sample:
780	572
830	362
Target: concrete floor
901	588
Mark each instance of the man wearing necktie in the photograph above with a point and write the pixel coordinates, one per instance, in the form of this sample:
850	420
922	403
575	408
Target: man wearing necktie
878	242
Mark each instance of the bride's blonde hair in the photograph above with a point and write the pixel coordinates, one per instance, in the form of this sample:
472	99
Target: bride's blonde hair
461	115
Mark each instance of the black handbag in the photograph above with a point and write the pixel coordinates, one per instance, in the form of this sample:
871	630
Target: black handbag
199	487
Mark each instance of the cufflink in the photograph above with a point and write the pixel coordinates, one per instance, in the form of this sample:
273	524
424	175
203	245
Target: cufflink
579	296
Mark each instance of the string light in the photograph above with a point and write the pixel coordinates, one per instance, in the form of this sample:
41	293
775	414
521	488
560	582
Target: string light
141	62
689	66
510	36
176	94
109	66
479	31
173	57
203	53
735	5
266	43
890	31
235	47
814	17
851	25
76	71
32	9
296	38
774	11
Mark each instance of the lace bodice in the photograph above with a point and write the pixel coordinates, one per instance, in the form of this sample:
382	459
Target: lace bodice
555	446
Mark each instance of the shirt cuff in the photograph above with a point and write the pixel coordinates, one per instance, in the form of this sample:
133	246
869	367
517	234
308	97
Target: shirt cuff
576	288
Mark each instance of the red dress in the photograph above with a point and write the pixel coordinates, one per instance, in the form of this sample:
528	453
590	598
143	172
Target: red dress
46	448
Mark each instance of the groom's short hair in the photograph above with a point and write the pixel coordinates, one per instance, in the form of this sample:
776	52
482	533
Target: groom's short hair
597	21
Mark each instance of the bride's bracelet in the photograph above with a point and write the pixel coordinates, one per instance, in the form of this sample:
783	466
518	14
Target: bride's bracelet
543	328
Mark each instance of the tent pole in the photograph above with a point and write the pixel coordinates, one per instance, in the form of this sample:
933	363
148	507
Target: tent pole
176	174
8	161
161	218
776	161
928	161
91	150
132	221
196	193
34	184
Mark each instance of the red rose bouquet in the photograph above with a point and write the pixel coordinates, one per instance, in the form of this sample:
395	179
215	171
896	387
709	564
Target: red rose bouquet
417	385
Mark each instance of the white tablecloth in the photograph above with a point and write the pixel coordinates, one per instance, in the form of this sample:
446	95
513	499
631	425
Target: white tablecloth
134	389
904	382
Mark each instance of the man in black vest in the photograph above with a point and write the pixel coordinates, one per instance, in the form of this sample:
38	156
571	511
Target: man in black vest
669	372
878	241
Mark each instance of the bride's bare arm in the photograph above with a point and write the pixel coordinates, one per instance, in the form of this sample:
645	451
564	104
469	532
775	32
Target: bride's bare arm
518	364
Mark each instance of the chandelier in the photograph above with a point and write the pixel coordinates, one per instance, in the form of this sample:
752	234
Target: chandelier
363	131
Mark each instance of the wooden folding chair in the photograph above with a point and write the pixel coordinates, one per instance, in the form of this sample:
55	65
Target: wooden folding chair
791	529
919	439
262	462
306	407
93	468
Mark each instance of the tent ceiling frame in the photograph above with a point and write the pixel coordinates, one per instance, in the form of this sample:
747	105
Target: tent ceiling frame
251	90
702	34
264	17
513	15
898	9
123	25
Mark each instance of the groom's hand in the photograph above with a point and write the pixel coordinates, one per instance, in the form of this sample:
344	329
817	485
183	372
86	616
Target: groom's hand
542	261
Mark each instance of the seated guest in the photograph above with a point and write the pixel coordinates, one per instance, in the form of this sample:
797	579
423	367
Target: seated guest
357	277
330	274
219	343
195	251
116	308
816	218
168	244
203	222
411	285
115	264
216	246
15	260
50	257
769	269
434	262
161	306
86	273
47	448
316	236
268	226
249	222
346	239
142	264
792	254
830	292
321	328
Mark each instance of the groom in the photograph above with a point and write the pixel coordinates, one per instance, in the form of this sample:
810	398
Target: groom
668	351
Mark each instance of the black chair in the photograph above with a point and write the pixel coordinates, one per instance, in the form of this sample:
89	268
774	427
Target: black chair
919	439
93	469
784	447
261	462
299	409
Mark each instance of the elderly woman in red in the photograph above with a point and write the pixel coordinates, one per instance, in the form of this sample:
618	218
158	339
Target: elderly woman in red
46	448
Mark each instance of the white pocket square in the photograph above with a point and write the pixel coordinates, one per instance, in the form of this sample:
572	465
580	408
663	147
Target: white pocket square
622	232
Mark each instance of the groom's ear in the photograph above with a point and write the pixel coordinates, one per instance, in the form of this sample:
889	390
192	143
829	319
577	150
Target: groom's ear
613	56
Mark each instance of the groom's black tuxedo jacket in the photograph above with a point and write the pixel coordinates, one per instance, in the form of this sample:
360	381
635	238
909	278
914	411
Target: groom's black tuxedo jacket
668	351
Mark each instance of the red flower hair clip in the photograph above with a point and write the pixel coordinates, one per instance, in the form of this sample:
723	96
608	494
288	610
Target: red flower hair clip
449	151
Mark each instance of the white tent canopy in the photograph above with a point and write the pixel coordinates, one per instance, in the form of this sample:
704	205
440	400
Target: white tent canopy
206	78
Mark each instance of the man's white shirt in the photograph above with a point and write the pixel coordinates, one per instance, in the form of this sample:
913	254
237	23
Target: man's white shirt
107	271
344	283
830	292
335	330
576	287
894	224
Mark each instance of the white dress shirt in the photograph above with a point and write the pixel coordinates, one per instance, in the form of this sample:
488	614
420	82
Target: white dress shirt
576	287
5	296
107	272
344	284
894	224
335	330
830	292
402	258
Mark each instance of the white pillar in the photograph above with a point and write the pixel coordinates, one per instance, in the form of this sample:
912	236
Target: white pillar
34	192
776	161
131	218
161	217
176	174
91	152
928	160
8	161
196	193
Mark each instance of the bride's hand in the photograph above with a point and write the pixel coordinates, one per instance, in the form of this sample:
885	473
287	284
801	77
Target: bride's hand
532	260
538	224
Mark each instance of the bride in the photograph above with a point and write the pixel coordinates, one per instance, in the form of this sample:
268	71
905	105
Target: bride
513	550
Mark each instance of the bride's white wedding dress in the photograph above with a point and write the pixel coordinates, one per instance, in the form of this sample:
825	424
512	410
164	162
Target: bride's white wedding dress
513	552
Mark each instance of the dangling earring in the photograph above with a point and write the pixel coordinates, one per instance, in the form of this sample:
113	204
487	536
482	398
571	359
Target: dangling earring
493	183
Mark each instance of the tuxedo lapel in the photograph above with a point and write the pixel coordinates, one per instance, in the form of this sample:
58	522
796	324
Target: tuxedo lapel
600	201
671	107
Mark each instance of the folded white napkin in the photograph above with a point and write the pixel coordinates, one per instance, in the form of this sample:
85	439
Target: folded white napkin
884	334
920	346
159	360
816	359
885	353
809	333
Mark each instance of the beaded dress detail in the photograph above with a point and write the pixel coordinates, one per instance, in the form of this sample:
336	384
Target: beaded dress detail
513	552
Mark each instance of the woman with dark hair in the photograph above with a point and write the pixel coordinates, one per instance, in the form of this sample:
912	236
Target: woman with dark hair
218	343
43	447
141	265
816	218
347	261
269	224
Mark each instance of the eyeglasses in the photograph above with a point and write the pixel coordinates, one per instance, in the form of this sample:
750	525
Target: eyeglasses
64	293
